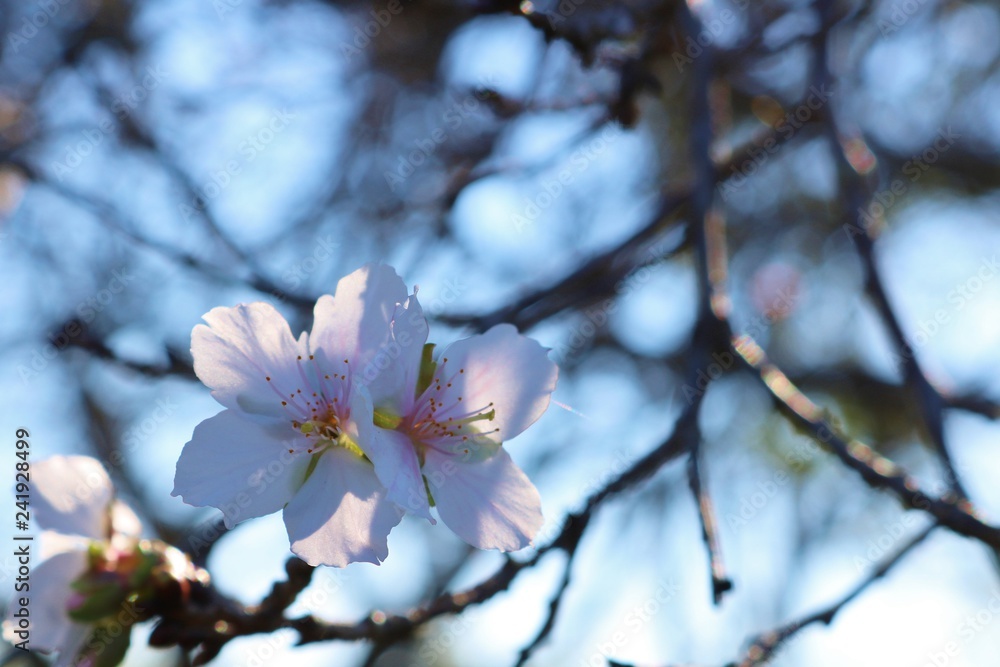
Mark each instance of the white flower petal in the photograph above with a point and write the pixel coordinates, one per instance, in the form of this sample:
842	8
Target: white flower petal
239	349
50	627
239	467
73	643
397	467
124	521
490	504
392	454
72	495
51	543
372	322
397	366
502	367
341	514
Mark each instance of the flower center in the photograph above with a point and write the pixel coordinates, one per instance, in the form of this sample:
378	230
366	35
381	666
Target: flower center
321	432
441	414
317	405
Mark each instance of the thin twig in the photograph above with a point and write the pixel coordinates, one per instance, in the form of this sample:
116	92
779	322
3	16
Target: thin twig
858	195
763	648
876	470
705	337
550	618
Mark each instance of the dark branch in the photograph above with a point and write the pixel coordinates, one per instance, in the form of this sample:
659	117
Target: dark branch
763	648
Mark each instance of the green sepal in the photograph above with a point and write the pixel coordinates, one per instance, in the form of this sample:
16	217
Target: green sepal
430	496
100	600
144	570
427	368
95	553
312	466
387	420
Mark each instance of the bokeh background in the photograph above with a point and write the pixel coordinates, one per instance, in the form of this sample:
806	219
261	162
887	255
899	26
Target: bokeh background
161	158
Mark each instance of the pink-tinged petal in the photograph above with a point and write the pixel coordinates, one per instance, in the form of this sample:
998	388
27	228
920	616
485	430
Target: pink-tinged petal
124	521
409	330
393	455
341	514
490	504
50	627
373	322
398	365
239	349
73	644
72	495
499	370
354	322
397	466
51	543
240	467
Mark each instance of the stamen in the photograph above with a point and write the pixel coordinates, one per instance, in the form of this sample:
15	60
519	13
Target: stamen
284	403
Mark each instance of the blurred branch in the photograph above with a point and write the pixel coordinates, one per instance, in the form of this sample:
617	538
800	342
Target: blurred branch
974	404
215	619
106	438
112	218
763	648
550	618
855	160
176	365
709	335
877	471
595	278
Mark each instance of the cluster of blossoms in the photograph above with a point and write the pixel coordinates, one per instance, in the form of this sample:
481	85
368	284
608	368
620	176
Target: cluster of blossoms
98	576
359	422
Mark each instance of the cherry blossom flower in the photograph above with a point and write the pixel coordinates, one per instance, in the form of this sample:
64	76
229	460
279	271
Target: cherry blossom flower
442	431
86	532
298	431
